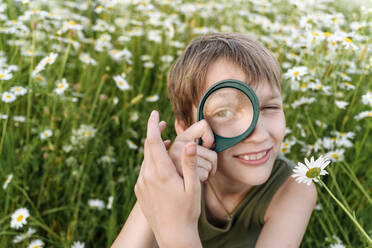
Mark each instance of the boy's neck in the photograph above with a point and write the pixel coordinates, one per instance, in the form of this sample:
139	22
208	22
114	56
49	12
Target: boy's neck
227	188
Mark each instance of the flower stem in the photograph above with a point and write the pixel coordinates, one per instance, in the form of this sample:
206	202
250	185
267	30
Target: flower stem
4	131
347	212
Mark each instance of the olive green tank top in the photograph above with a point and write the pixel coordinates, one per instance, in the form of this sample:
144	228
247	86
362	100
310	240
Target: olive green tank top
248	218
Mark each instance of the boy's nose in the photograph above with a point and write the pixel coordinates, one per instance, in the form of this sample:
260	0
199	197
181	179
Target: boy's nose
259	134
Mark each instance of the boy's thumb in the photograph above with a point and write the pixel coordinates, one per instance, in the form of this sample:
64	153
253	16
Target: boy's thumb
190	176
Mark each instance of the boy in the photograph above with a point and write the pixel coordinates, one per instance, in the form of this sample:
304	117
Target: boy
248	198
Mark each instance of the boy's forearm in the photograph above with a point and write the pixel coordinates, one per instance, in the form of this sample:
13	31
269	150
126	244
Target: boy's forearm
136	231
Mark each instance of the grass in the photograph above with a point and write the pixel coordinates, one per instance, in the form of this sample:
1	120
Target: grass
54	178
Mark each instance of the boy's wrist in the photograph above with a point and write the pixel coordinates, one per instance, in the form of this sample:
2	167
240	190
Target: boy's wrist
185	238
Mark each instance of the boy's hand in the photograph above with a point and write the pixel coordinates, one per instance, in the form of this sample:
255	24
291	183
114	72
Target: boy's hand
206	159
170	204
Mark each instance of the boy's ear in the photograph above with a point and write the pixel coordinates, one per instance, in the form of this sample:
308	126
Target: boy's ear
180	126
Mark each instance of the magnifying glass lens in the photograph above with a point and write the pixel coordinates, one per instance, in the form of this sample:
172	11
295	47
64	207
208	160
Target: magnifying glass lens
229	112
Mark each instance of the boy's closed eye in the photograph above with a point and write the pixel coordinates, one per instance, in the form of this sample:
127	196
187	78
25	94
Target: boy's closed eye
271	107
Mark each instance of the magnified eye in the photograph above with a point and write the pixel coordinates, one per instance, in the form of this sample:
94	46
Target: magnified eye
223	113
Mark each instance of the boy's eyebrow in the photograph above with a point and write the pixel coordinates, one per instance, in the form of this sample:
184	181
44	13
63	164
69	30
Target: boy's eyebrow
273	95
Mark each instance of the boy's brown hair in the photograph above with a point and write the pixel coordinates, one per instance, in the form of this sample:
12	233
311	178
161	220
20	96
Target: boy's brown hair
186	78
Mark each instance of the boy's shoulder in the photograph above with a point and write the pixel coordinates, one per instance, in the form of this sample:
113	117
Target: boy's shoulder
291	195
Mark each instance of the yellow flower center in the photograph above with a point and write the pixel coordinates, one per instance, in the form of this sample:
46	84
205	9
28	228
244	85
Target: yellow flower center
296	73
8	96
39	78
60	86
48	60
327	34
284	149
335	155
369	114
1	75
315	33
303	85
72	23
318	86
121	83
87	133
20	217
333	43
342	134
313	172
348	40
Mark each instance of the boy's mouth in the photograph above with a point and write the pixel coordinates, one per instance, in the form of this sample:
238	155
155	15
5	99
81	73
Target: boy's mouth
254	157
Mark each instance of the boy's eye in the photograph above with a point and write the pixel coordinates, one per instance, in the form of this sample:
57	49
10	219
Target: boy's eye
224	113
273	107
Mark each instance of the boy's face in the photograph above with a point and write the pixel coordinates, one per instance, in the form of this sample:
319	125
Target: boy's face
250	161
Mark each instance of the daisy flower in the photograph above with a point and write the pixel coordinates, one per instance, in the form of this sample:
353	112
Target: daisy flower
133	116
296	73
110	202
363	115
153	98
341	104
336	155
50	59
121	83
5	74
40	79
149	64
78	244
96	203
8	97
132	145
311	170
367	99
37	243
19	118
7	181
46	134
61	87
19	218
18	90
87	59
24	236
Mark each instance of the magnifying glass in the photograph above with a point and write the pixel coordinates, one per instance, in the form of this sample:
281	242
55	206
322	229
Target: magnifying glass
231	108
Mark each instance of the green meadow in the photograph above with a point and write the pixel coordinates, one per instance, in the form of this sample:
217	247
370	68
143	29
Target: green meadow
78	80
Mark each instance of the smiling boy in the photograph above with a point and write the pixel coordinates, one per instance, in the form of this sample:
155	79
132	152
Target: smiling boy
248	198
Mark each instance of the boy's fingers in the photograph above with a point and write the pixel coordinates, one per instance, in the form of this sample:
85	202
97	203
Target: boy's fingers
189	168
202	174
162	126
200	129
208	155
167	143
154	144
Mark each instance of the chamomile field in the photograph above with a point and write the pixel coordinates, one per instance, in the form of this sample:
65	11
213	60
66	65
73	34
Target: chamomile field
78	80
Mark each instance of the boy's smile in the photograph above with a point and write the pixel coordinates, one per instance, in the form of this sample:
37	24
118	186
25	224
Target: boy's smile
249	162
